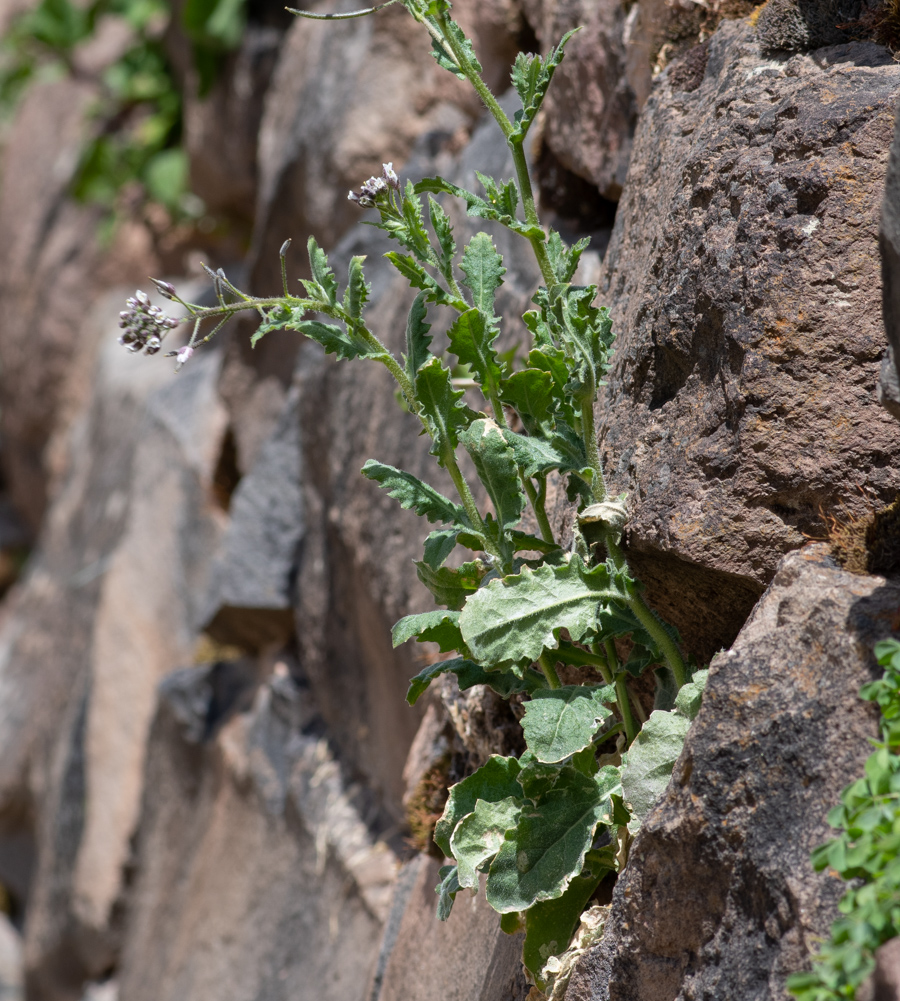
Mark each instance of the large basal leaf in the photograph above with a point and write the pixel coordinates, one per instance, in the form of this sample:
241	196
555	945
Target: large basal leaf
497	470
650	761
560	722
484	271
451	586
441	627
479	835
472	338
549	925
495	780
516	618
442	409
546	851
414	494
468	674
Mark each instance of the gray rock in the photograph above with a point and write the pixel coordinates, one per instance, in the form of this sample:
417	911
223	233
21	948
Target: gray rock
886	979
741	404
719	899
799	25
889	242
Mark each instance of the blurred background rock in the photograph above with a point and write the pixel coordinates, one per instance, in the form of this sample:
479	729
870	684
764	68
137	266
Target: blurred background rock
210	784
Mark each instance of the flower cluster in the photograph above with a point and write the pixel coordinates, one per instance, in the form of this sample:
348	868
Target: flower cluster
144	326
375	186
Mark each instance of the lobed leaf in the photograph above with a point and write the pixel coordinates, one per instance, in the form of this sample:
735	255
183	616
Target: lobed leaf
484	271
539	859
414	494
440	544
504	197
495	780
419	278
518	617
451	587
531	76
472	339
346	344
497	470
468	674
530	391
560	722
445	57
418	338
439	627
479	835
446	890
323	278
357	294
479	208
564	260
444	414
440	223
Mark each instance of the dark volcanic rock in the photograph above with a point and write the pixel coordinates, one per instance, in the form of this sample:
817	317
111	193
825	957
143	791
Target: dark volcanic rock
719	899
889	241
743	283
797	25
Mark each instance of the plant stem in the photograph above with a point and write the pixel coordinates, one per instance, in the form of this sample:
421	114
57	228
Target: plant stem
549	670
622	700
531	214
589	434
538	507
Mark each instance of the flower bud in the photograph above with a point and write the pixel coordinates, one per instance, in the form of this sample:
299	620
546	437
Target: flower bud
142	298
164	288
287	242
390	176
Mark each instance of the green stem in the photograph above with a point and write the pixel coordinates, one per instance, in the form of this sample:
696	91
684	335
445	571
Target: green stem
538	243
624	703
465	495
549	670
537	506
589	434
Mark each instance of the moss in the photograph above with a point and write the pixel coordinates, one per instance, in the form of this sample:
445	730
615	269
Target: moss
425	806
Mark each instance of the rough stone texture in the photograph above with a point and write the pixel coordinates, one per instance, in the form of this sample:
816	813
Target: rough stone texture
719	899
466	958
889	242
743	283
257	875
798	25
886	980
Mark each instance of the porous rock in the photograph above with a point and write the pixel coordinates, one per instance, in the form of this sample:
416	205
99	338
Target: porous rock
743	284
719	899
798	25
889	242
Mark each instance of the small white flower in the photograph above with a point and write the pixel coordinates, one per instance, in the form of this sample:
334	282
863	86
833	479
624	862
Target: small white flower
184	355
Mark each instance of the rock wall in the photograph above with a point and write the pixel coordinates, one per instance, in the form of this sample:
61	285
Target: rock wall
205	753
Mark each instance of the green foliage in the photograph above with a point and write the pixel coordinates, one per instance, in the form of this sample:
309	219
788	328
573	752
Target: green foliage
867	851
545	829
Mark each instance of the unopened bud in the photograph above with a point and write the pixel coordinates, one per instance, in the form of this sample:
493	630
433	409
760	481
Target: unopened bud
287	243
164	288
142	298
390	176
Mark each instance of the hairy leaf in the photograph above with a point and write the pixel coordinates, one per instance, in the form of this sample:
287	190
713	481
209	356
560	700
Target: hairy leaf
495	780
442	410
440	223
550	924
439	627
418	338
445	57
472	339
451	587
415	494
518	617
484	271
419	278
346	344
564	260
323	281
530	391
468	674
537	456
357	294
479	835
439	545
690	697
560	722
504	197
446	890
497	470
531	76
650	761
546	851
479	207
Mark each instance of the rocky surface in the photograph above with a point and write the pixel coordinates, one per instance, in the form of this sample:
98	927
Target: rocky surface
203	737
743	281
719	898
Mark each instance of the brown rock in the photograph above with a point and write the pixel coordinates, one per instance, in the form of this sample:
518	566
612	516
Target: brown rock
741	401
719	898
886	979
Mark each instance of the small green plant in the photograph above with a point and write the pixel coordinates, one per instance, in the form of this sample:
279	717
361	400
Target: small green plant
865	853
546	827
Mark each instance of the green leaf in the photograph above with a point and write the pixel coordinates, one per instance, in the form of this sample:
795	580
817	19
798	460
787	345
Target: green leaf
472	339
430	627
451	587
415	494
445	57
531	76
530	391
442	411
516	618
535	777
346	344
537	456
446	890
479	835
440	223
357	294
546	851
564	260
468	674
419	278
324	284
497	470
503	197
560	722
550	924
418	339
439	545
479	208
495	780
650	761
484	271
690	698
